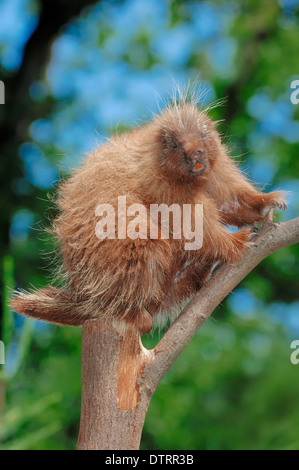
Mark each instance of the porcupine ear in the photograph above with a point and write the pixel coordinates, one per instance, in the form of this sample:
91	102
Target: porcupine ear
49	304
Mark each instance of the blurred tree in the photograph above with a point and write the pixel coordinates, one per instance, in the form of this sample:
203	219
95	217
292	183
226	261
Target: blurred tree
21	110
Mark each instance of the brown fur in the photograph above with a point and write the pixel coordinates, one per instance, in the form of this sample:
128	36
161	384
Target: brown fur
135	279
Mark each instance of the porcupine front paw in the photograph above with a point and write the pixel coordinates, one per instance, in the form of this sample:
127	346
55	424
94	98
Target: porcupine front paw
240	242
273	200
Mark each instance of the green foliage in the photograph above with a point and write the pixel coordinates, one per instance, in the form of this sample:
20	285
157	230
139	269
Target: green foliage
234	387
43	402
8	285
25	336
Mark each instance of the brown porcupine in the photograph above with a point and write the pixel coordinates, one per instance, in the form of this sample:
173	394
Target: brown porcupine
177	158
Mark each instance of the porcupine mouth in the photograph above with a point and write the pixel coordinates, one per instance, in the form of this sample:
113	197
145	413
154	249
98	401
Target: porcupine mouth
197	168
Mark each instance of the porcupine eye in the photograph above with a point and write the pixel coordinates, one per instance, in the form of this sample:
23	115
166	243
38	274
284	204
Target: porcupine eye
173	144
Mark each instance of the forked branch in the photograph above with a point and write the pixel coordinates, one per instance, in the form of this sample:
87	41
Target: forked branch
271	238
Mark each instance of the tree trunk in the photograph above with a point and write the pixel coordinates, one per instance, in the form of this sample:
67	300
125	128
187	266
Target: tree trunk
114	398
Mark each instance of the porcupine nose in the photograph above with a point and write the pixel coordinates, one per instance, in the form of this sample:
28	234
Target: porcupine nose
195	155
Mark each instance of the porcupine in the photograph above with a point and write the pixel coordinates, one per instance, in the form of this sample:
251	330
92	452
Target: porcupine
176	158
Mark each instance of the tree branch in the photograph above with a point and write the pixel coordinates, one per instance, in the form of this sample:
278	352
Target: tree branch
272	237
